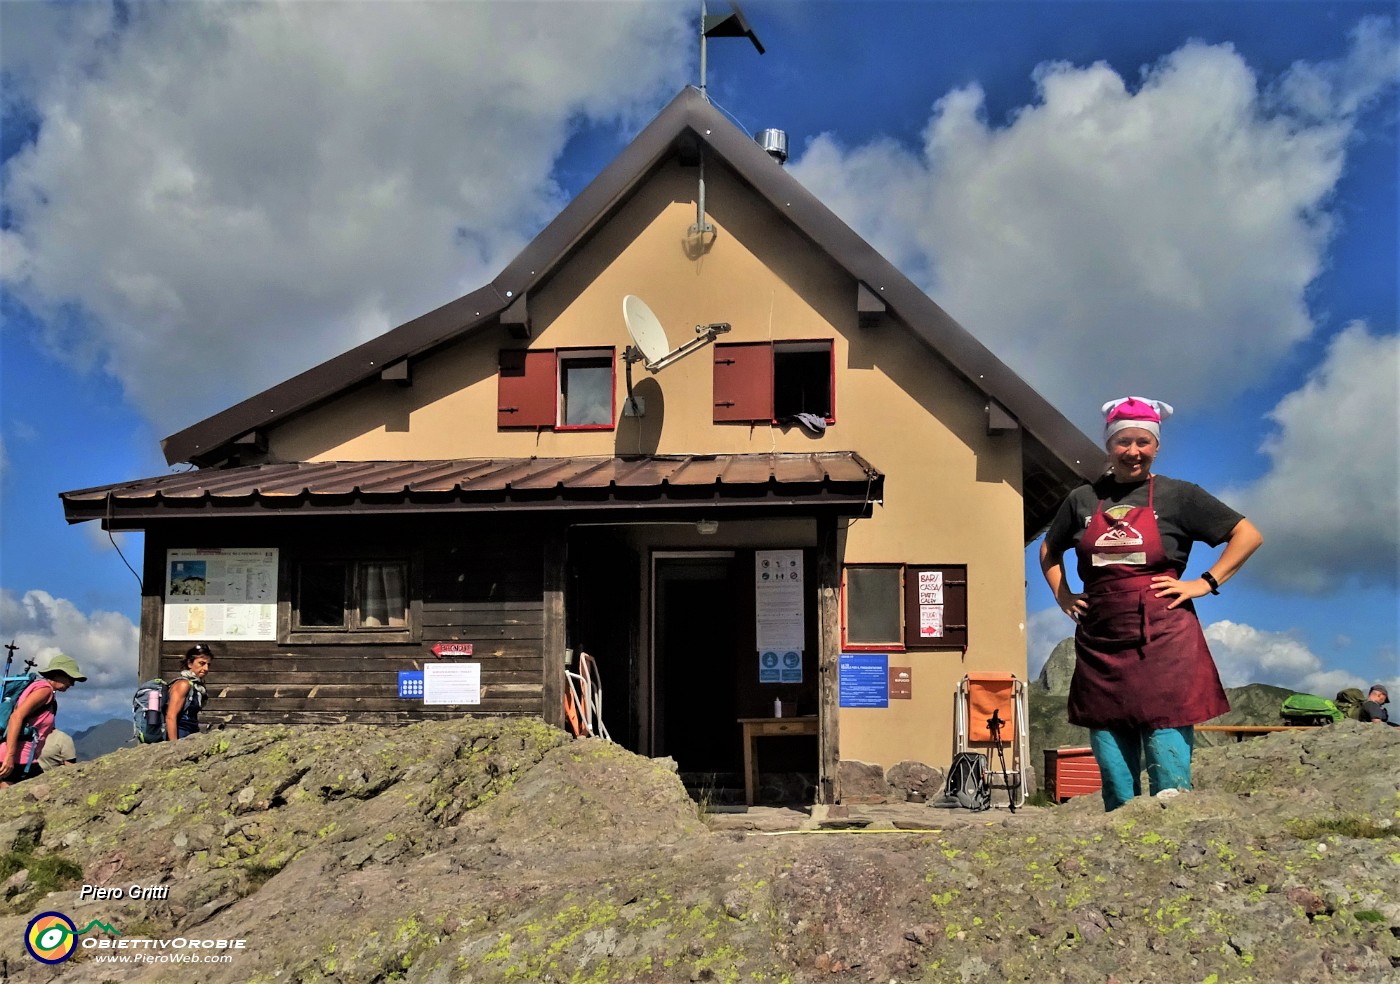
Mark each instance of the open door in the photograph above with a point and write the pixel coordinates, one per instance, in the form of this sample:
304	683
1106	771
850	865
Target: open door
695	652
604	612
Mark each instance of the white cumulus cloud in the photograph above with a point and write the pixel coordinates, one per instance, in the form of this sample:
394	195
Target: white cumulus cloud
1247	655
1329	505
1182	213
214	182
105	645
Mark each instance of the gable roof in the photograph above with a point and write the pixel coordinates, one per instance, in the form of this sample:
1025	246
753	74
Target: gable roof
1057	455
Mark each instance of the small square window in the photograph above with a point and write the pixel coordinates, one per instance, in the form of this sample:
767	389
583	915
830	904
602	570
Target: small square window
874	606
586	387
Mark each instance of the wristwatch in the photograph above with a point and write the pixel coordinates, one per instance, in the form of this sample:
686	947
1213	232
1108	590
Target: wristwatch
1210	580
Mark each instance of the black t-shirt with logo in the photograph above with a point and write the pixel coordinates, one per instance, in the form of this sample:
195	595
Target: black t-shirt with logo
1185	512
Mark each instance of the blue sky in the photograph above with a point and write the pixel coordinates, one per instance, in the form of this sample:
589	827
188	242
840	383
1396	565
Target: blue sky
1189	201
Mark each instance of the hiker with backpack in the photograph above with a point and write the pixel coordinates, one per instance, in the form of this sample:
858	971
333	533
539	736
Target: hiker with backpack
186	695
31	717
1143	674
1373	707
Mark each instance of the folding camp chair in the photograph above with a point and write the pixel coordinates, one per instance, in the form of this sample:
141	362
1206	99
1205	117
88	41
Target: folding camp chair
979	696
583	700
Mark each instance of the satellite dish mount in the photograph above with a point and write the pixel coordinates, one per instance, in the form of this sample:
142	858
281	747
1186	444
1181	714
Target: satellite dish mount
650	346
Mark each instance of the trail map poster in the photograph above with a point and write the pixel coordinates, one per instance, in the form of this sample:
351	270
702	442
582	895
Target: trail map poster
220	594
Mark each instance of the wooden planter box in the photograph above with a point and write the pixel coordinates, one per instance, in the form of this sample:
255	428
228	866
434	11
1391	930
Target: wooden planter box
1070	772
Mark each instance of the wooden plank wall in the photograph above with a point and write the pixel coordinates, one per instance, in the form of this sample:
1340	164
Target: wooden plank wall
480	582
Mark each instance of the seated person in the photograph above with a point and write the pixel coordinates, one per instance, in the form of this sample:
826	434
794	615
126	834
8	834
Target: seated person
1373	708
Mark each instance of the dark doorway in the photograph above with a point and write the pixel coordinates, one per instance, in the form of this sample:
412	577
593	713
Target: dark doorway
603	602
696	663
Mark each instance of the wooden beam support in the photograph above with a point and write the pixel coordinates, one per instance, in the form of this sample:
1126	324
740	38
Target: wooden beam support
556	557
828	658
516	318
999	421
870	309
397	372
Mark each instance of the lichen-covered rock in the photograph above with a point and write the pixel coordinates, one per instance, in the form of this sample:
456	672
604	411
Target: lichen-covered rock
502	851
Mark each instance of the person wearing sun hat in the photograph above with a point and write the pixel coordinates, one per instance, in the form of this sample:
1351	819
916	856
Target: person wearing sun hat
1143	674
32	720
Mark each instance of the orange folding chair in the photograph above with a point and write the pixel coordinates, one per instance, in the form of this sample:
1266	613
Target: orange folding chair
985	699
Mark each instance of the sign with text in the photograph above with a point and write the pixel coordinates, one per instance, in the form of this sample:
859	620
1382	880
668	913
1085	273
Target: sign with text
901	683
452	649
779	602
217	594
864	679
452	683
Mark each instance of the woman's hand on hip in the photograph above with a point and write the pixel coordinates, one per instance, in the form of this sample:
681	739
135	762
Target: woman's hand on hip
1179	591
1076	606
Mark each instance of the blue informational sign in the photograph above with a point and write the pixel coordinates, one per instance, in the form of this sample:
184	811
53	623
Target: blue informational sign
864	679
411	684
792	667
769	670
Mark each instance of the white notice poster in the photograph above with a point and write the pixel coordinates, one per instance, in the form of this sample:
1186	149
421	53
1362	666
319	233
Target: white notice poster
452	683
930	621
779	598
930	587
220	594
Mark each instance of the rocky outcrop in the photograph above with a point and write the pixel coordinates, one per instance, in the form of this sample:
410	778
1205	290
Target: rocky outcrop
496	851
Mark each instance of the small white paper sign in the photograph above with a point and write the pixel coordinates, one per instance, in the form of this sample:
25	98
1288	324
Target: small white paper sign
452	683
930	621
930	587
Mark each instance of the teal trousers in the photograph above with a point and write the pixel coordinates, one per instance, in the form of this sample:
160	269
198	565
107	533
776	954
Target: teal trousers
1119	753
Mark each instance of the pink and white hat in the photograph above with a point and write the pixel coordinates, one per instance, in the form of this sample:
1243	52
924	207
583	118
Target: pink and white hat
1135	411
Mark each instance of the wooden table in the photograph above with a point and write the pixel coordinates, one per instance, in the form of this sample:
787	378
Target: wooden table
756	728
1243	731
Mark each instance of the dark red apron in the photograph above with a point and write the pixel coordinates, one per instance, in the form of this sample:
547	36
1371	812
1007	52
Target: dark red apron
1139	664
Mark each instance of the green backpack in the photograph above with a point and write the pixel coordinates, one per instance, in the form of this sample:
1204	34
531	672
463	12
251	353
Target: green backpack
1309	709
1349	702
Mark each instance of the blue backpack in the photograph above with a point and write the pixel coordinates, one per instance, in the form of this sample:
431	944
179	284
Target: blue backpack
10	690
148	711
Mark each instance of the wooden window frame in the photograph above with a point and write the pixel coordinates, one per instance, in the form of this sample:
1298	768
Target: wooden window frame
955	636
563	355
289	631
870	647
744	380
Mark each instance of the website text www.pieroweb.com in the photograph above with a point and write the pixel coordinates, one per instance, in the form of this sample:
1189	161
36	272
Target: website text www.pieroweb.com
52	938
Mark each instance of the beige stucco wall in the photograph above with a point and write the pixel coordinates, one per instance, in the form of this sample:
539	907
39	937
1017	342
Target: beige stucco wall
952	493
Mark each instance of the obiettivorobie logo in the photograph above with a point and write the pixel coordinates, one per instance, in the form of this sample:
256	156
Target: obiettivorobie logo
51	937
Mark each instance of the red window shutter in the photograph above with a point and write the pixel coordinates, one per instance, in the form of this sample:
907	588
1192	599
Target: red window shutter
527	388
744	381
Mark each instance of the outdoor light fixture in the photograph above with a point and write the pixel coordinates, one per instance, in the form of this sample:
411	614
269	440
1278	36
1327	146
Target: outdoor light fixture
706	527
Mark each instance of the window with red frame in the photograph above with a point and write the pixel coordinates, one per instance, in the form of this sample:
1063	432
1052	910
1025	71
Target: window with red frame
559	389
774	381
904	606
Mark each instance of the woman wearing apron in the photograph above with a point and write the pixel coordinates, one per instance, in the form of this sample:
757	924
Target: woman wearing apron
1143	675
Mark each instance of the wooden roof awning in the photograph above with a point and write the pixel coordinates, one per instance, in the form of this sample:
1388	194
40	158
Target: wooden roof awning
842	481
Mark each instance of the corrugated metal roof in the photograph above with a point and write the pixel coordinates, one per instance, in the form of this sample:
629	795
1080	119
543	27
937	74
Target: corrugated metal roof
841	477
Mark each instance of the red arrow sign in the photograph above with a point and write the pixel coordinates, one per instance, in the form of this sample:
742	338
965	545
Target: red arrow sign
452	649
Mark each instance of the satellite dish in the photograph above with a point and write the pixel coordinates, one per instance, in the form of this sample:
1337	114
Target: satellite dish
650	347
646	331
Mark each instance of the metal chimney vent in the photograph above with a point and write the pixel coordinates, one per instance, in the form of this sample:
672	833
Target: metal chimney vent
775	143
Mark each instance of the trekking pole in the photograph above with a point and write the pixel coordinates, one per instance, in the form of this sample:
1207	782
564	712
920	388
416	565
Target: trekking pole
10	656
994	724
